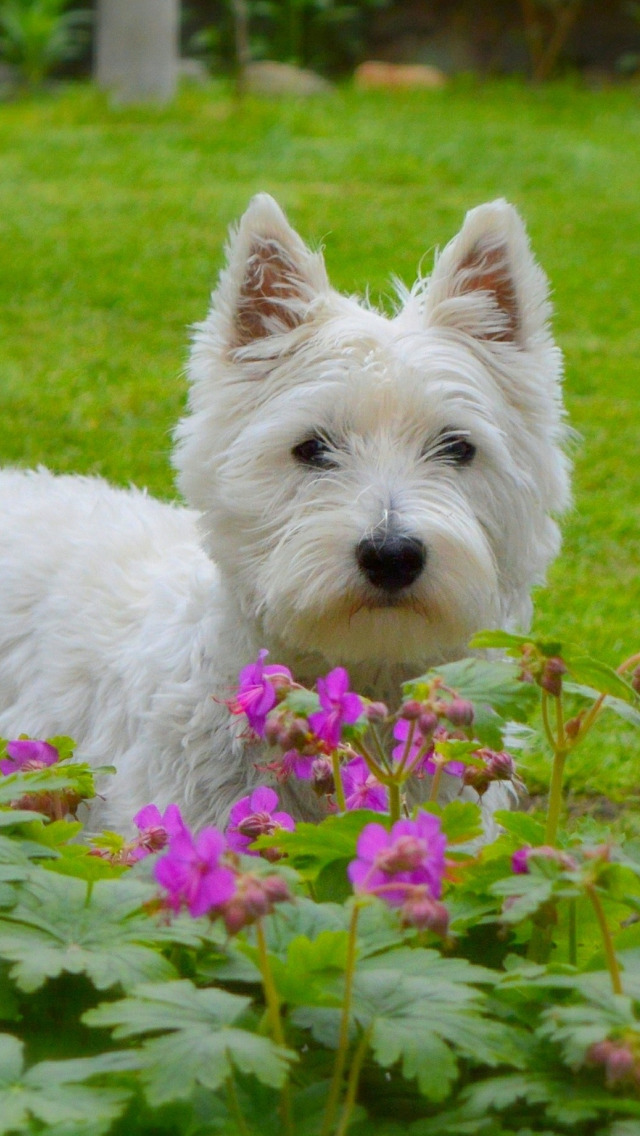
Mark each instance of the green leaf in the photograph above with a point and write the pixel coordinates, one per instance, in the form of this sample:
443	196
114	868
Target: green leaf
513	644
307	976
313	846
423	1019
10	818
602	678
50	1093
623	709
493	687
525	828
527	893
201	1043
461	821
58	926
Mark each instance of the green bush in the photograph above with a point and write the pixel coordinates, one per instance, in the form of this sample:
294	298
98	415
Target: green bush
38	35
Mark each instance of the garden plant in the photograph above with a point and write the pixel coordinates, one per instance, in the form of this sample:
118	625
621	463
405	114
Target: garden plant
388	969
510	991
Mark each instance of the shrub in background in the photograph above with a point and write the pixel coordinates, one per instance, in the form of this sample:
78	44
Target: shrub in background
36	36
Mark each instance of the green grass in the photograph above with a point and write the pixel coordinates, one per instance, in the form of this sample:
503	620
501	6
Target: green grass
111	229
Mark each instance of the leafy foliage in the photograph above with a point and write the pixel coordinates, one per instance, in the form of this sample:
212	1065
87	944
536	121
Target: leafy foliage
507	1004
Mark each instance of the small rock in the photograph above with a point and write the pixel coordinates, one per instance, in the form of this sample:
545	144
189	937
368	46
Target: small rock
374	75
270	78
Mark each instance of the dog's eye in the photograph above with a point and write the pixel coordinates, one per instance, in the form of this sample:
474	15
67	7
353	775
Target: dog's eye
456	449
314	452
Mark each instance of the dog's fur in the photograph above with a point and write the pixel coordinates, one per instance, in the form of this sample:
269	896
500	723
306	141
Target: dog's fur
124	621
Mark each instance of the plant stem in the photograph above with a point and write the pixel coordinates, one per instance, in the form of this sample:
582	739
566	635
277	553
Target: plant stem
335	761
558	743
573	932
352	1085
343	1042
407	747
394	801
545	720
435	784
555	798
612	961
234	1107
273	1007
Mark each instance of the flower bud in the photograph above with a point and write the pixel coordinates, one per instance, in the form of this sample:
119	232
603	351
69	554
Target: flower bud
501	765
459	712
635	679
376	711
427	723
411	710
322	777
276	889
421	910
618	1059
295	734
551	678
272	730
572	727
477	778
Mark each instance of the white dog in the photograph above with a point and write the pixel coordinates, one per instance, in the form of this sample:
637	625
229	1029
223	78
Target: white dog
363	491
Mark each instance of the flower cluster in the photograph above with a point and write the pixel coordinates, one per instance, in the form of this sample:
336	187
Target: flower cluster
339	742
199	872
405	867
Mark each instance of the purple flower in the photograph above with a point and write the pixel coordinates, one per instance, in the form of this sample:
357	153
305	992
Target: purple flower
256	693
361	789
520	861
339	707
296	764
389	864
155	830
426	764
26	754
192	874
254	816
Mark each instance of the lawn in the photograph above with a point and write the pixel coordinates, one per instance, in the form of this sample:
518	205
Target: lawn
111	229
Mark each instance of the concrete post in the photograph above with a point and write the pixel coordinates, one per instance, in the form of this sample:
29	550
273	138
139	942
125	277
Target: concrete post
137	49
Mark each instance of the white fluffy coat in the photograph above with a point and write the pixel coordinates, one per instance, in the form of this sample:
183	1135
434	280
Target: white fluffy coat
124	621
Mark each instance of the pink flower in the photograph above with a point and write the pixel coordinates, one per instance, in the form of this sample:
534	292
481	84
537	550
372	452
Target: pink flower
426	764
192	874
339	707
389	864
256	693
361	789
27	754
254	816
155	830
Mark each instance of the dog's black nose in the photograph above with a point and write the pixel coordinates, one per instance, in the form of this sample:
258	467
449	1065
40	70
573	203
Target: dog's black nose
393	562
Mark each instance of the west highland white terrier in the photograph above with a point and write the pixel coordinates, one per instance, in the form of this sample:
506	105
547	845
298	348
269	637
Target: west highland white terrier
362	490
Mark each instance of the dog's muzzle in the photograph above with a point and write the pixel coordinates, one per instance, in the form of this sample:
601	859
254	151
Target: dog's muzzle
392	563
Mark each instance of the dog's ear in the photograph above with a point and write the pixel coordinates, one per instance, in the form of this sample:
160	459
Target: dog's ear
487	283
271	278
